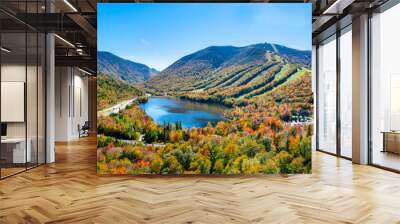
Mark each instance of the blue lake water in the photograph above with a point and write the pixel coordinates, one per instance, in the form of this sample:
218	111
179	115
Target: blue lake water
190	114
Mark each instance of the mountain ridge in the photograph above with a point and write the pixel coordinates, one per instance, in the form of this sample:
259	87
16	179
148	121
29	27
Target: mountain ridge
123	69
301	56
227	72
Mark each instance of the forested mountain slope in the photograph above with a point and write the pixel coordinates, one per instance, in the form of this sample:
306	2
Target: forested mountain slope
110	91
238	75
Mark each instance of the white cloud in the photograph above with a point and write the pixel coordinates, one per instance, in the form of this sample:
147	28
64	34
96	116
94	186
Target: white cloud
144	41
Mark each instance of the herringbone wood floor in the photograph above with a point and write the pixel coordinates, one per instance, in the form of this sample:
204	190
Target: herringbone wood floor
69	191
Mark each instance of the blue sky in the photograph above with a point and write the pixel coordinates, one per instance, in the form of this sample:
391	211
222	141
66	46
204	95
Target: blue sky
157	34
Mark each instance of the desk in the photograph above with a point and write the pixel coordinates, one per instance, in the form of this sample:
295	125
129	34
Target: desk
13	150
391	141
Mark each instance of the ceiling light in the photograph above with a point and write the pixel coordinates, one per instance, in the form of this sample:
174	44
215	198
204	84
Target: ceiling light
5	50
79	51
65	41
70	5
337	7
86	72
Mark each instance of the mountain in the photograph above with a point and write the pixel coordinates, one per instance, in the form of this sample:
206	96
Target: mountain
122	69
232	74
111	91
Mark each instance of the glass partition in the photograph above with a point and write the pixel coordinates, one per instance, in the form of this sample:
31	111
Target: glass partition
13	94
22	91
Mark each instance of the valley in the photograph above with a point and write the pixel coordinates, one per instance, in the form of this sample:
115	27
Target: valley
220	110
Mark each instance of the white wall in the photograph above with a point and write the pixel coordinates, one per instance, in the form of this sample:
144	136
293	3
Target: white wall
71	102
62	82
12	73
80	110
33	126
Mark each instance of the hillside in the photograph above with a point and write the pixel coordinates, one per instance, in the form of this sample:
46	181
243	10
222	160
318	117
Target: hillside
110	91
123	69
238	75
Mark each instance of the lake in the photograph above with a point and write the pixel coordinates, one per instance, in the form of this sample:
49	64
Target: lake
189	113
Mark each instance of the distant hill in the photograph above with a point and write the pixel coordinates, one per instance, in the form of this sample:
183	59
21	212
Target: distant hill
231	74
111	91
122	69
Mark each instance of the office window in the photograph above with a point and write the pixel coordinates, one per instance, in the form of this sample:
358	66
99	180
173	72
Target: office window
346	92
327	95
385	88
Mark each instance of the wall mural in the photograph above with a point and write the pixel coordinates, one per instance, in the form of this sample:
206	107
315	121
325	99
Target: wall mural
204	88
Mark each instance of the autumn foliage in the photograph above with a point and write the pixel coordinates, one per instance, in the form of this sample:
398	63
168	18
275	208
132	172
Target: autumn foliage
244	145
